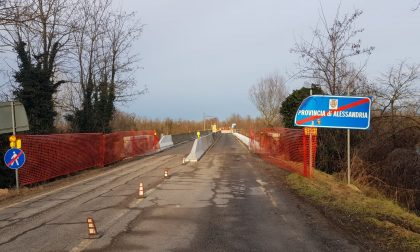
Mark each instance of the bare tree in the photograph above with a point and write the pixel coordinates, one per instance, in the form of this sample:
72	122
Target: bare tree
13	12
37	32
268	95
105	63
103	44
397	93
122	30
398	88
325	59
86	39
39	23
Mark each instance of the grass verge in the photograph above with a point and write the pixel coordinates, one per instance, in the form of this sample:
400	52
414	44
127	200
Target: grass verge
375	221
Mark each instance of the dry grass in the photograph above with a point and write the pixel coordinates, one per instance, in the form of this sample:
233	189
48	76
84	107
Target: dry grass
369	216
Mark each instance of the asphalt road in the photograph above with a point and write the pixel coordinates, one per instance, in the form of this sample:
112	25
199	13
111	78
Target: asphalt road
228	201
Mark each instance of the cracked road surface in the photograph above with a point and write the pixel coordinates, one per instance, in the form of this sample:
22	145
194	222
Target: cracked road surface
228	201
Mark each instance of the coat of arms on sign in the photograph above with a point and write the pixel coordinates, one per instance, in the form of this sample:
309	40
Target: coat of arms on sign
333	104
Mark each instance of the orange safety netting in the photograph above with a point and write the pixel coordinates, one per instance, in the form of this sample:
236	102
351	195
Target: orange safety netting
120	145
50	156
286	148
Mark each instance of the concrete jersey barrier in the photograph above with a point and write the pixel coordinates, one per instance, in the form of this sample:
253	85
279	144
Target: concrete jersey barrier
243	139
166	142
200	146
247	141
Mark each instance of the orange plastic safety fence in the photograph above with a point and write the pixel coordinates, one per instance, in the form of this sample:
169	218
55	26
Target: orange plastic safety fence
50	156
120	145
286	148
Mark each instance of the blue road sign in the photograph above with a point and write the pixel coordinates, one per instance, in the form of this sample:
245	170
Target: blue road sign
14	158
342	112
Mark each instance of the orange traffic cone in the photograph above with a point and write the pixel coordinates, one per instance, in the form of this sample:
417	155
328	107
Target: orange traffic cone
141	191
92	232
166	175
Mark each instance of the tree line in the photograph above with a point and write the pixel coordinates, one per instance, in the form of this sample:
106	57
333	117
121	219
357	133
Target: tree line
123	121
74	60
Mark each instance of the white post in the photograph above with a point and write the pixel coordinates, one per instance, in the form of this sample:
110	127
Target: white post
14	133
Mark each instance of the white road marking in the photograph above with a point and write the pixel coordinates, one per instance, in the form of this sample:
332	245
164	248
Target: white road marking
262	183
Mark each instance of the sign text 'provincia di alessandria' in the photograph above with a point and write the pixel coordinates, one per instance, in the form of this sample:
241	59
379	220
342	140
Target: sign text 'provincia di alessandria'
346	112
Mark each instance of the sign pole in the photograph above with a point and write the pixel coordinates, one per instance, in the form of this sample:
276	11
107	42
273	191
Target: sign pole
14	133
348	156
348	148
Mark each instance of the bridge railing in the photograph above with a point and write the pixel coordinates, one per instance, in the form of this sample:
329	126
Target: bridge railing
51	156
285	148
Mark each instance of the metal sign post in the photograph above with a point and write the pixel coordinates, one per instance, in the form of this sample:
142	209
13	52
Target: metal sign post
14	133
348	147
348	156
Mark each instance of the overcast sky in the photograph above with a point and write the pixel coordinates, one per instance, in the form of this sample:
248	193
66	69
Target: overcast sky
202	56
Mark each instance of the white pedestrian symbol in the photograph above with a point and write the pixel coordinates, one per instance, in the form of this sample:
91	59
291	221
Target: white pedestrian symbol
13	157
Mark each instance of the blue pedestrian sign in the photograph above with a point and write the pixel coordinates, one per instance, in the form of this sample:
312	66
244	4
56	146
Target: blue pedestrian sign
14	158
342	112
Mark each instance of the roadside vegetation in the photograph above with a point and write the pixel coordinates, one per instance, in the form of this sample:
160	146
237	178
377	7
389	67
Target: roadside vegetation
367	214
387	156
